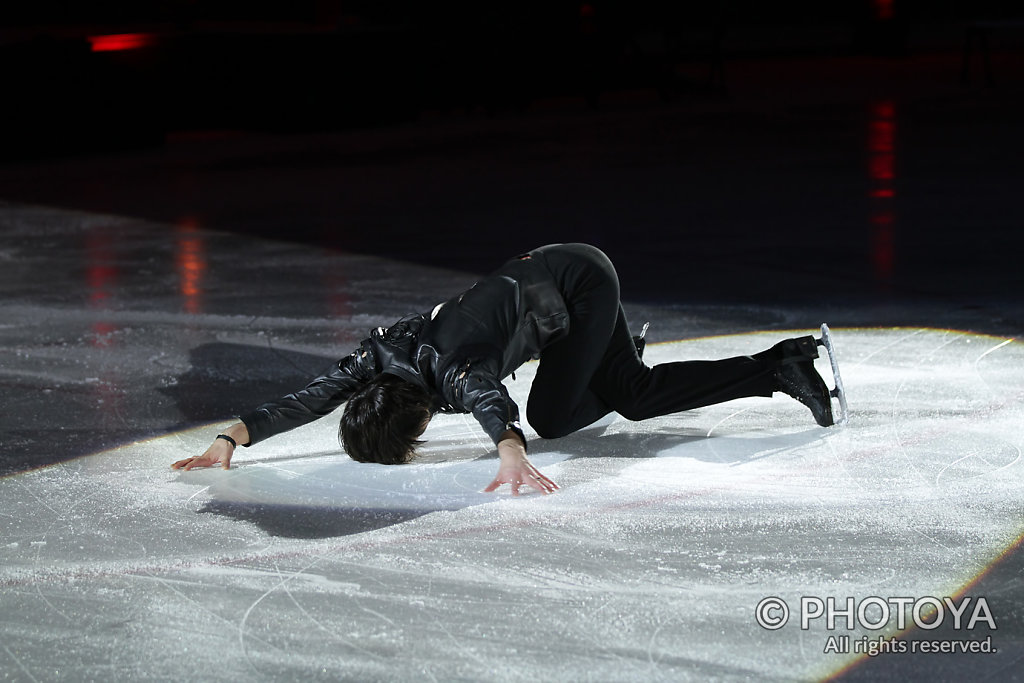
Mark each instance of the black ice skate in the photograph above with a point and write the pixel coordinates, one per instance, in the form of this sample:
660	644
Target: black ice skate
797	377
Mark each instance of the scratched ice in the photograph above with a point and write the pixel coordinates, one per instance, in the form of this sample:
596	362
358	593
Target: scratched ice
299	563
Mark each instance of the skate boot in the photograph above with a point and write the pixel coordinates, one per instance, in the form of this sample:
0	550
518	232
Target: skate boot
791	350
795	376
799	379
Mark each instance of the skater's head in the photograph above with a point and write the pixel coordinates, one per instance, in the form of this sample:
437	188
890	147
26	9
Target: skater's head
384	420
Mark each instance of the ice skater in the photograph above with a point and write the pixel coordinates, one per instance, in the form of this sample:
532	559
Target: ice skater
559	303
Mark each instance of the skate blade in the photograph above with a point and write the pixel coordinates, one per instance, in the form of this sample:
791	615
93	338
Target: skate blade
839	392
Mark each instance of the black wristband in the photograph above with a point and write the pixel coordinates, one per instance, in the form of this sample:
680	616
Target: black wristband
228	439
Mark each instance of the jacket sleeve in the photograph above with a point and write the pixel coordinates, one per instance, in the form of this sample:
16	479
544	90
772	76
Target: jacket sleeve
493	408
474	386
319	398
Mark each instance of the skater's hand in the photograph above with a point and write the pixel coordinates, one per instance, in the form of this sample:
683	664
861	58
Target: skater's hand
515	469
220	451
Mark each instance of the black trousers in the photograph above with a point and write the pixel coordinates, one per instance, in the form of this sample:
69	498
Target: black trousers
595	369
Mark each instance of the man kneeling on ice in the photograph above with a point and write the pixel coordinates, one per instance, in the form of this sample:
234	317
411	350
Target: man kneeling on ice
559	303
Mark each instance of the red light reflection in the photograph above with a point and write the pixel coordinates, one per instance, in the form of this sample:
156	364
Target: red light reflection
121	41
882	134
191	261
101	278
101	274
884	109
884	9
339	301
881	165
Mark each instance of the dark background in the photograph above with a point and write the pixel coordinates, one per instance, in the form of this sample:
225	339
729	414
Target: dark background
738	129
329	64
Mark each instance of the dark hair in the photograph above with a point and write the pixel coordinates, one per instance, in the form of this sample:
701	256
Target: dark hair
383	419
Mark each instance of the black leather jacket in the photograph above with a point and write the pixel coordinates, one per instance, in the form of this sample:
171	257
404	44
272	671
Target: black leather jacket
459	353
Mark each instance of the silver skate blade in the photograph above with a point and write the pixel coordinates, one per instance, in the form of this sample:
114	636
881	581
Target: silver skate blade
839	392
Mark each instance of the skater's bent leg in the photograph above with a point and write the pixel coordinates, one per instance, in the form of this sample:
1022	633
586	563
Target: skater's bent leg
638	392
559	405
560	399
596	369
685	385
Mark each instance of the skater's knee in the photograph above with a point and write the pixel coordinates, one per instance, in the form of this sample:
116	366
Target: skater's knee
546	433
546	425
553	431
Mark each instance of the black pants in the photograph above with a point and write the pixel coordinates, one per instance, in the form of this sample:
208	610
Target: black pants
595	369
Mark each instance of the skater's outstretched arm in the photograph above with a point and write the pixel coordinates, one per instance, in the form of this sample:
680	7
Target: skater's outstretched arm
319	398
220	451
515	468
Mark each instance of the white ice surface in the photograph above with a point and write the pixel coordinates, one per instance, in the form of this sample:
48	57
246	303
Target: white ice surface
300	564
